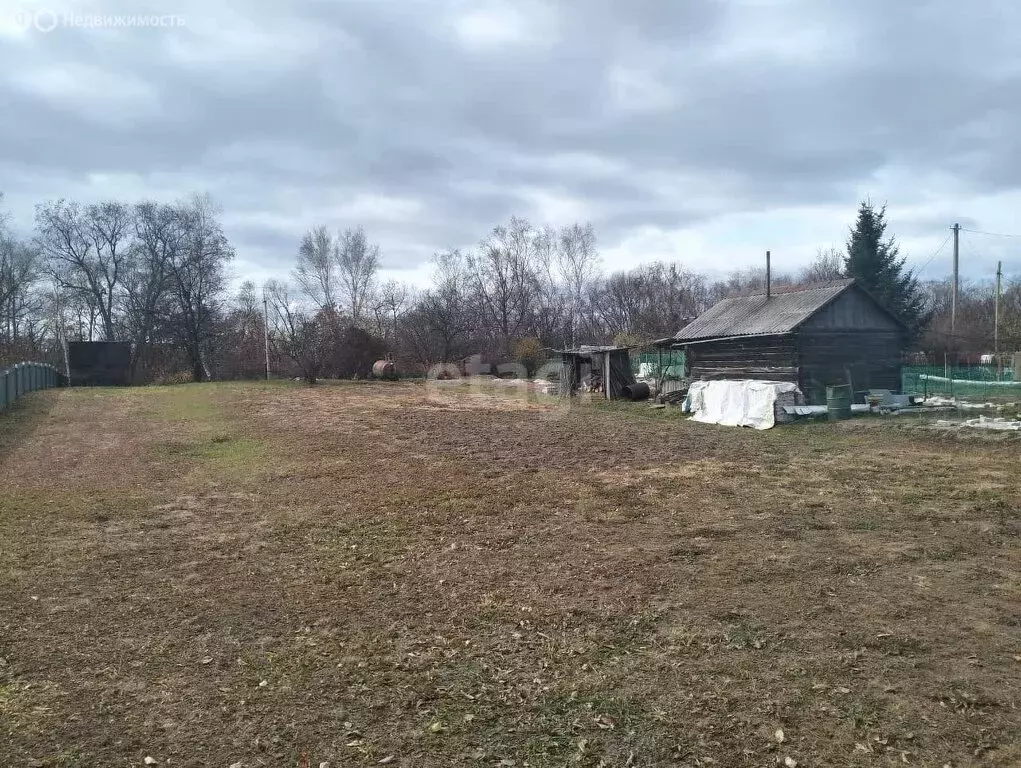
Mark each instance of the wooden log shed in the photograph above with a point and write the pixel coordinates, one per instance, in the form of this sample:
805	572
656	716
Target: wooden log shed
829	334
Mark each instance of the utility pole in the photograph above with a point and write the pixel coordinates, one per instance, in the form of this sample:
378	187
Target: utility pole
265	330
954	287
996	319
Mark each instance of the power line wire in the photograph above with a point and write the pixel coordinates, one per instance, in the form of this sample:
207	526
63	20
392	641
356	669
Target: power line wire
993	234
935	254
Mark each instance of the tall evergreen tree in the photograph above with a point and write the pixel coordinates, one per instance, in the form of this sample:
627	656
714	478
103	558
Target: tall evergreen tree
874	260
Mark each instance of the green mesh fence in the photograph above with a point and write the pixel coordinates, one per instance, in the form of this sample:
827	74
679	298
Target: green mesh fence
968	382
648	363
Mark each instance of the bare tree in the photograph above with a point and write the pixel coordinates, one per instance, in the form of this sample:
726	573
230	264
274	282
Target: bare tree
79	311
828	264
357	264
390	306
199	280
246	302
650	301
438	325
745	282
501	275
578	261
318	266
87	251
159	238
241	348
1010	312
550	309
19	274
304	336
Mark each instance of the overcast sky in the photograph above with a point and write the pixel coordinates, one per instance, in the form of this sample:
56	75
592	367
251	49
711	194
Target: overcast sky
704	132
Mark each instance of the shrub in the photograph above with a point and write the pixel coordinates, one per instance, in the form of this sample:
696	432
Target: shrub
528	352
178	377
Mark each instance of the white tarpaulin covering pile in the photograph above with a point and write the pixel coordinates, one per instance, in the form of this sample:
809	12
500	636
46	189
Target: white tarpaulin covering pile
745	403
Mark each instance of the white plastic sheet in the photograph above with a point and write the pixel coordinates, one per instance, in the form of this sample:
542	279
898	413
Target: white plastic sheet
1002	425
744	403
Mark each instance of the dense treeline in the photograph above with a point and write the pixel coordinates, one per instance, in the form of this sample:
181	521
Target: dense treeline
157	275
151	274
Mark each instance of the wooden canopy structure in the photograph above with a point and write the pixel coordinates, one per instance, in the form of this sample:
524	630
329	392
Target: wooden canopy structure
606	370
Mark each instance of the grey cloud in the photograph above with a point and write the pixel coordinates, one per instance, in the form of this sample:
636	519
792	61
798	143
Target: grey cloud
300	105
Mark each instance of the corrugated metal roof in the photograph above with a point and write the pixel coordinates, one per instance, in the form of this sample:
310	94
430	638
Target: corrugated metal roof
757	315
591	349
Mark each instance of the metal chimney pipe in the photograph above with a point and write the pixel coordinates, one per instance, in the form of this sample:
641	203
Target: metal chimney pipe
768	291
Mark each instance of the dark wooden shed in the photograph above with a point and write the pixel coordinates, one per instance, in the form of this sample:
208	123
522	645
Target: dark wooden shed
829	334
99	363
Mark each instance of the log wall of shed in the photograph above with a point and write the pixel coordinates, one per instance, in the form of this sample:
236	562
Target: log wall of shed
771	358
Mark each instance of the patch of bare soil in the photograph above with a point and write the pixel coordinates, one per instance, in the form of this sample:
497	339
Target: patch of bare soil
387	574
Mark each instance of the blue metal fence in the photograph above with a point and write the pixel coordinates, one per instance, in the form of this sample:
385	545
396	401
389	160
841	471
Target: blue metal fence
21	378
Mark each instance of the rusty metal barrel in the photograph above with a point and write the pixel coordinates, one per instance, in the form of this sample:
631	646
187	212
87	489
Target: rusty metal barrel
384	369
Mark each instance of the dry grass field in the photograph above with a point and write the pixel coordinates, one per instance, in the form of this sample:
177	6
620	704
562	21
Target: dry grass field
368	574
